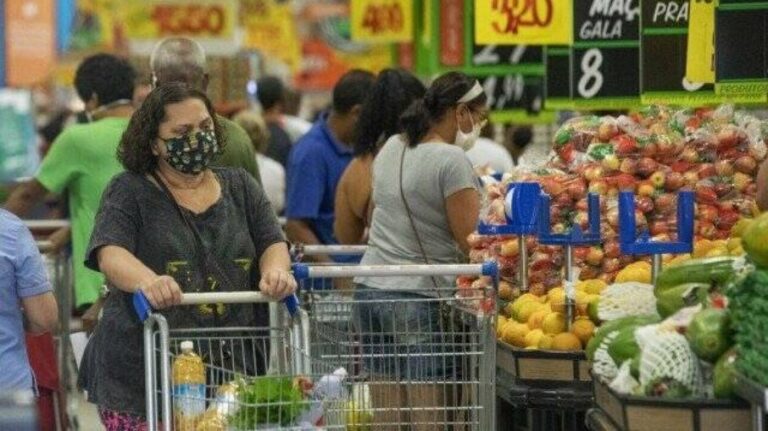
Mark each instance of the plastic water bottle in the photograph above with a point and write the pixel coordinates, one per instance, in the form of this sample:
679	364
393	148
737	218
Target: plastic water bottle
329	389
188	388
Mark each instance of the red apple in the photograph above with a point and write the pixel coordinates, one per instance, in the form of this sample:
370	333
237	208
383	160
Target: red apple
611	265
674	181
646	166
729	136
724	168
680	166
706	229
707	213
649	150
723	189
706	170
577	189
612	249
727	219
745	165
645	204
705	194
580	253
613	217
625	182
658	227
581	219
583	204
665	145
665	204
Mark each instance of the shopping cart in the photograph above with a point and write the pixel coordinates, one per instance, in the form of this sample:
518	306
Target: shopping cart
423	359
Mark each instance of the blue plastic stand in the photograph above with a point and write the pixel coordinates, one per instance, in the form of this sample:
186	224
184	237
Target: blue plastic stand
576	237
522	211
632	243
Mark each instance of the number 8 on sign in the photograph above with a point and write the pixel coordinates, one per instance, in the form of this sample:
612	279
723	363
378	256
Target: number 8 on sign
592	79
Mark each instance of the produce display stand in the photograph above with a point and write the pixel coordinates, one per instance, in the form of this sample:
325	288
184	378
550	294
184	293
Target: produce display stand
621	412
554	387
627	412
757	396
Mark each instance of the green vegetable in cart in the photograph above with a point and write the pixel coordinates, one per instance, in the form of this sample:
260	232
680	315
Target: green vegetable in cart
268	400
634	366
670	301
710	333
624	347
615	325
755	241
725	375
667	387
710	270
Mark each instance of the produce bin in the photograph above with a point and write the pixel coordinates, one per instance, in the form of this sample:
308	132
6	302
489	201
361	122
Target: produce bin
757	395
541	368
636	413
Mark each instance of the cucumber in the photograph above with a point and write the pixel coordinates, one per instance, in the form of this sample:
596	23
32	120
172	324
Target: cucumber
615	325
712	270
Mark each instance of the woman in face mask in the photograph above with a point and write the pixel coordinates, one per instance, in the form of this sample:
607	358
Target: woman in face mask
426	202
170	224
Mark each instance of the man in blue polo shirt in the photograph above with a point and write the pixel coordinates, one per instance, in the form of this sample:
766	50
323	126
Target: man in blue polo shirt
318	160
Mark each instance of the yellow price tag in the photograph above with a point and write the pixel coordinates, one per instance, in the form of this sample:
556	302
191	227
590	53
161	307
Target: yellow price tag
700	59
382	21
523	22
270	27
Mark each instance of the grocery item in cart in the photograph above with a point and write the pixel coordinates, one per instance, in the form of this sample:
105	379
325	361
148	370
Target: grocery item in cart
188	388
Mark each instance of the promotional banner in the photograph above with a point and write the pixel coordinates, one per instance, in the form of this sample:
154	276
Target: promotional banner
700	62
525	22
30	41
382	21
270	28
18	137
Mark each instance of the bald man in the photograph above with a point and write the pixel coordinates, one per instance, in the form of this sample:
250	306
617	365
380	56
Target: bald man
180	59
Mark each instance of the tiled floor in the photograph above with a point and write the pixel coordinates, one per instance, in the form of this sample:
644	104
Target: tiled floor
87	416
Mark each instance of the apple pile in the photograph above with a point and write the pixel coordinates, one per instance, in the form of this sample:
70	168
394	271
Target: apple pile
654	153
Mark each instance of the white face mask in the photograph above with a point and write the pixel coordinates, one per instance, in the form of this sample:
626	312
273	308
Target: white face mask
466	141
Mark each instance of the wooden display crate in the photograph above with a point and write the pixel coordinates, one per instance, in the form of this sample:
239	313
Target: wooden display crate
536	367
635	413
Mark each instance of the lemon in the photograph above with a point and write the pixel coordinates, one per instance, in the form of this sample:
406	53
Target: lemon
566	342
545	342
536	319
557	300
500	322
533	338
555	293
583	329
594	287
527	309
717	251
734	243
554	323
514	333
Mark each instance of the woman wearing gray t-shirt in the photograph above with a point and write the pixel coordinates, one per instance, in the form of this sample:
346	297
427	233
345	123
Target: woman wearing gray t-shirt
426	203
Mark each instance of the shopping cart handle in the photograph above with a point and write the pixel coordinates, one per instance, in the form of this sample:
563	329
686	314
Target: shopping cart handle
144	309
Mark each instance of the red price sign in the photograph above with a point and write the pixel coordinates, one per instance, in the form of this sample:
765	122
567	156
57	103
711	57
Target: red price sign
382	20
523	22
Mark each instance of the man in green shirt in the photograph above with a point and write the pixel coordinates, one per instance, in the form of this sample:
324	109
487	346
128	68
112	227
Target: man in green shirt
82	161
180	59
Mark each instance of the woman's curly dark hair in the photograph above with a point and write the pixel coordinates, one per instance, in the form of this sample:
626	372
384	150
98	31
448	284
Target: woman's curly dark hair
393	92
135	150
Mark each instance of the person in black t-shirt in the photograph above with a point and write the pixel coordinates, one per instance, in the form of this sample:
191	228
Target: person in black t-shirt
168	225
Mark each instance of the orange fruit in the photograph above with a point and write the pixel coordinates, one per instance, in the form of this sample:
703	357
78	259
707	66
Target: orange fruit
566	342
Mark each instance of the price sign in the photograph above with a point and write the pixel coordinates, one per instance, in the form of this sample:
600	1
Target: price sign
741	56
523	22
157	19
601	69
270	28
700	65
382	21
664	48
516	55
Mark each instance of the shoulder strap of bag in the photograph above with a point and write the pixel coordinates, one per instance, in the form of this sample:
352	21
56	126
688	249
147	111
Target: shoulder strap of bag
208	260
411	220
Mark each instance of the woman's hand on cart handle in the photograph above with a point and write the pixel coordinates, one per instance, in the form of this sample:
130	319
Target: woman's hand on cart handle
162	292
277	283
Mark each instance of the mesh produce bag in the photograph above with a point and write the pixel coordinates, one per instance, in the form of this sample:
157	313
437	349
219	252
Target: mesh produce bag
626	299
624	383
667	355
603	365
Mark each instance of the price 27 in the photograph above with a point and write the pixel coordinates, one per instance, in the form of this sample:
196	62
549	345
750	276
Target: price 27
521	13
383	18
189	19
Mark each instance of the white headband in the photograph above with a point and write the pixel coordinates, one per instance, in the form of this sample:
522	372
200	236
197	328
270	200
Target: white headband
473	92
